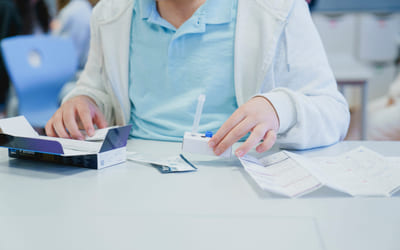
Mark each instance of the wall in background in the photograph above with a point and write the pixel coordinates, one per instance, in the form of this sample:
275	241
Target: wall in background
362	40
357	5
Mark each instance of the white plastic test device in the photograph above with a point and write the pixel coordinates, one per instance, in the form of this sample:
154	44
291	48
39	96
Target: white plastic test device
197	143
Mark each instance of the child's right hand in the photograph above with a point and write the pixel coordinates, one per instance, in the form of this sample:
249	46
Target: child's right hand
79	112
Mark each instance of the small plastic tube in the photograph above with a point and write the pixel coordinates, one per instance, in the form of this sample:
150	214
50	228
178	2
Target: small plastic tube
199	110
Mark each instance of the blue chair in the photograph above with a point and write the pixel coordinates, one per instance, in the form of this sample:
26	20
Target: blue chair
38	67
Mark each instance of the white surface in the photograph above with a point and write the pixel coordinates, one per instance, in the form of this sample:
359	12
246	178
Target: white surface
173	164
147	231
133	206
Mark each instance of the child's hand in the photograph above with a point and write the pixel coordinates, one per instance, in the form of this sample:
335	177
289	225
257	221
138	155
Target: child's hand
78	112
257	116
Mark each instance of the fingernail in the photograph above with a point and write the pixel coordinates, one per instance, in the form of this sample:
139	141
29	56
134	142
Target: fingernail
239	153
218	152
211	144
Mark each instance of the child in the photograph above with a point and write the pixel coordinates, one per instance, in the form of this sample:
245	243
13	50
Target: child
260	63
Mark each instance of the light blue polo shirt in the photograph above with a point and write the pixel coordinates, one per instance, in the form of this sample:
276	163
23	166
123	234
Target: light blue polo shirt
169	68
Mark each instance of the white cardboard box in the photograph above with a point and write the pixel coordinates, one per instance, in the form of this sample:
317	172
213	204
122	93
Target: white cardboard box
198	144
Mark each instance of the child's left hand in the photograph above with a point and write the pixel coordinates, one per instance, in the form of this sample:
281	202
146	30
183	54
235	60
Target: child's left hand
257	116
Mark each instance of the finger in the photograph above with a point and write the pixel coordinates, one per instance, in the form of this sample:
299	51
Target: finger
234	135
69	118
59	127
80	125
100	120
232	121
95	121
49	129
86	119
255	137
269	141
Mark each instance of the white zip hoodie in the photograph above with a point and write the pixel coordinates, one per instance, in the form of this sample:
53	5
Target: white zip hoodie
278	54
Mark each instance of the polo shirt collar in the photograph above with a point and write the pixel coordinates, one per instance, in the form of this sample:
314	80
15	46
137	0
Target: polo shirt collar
212	11
145	7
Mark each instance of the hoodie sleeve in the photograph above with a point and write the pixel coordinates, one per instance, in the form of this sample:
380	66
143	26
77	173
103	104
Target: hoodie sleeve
311	110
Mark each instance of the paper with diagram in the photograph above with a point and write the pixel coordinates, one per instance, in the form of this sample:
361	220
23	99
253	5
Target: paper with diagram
360	172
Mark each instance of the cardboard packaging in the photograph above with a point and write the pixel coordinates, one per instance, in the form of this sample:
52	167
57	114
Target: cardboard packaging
106	148
198	144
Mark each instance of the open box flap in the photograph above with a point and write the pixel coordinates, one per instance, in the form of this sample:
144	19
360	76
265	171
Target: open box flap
116	138
31	144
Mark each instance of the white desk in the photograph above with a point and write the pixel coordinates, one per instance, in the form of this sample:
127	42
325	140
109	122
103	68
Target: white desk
132	206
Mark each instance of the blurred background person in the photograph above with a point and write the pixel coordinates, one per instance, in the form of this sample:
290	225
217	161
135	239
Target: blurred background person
384	115
10	25
34	15
73	21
